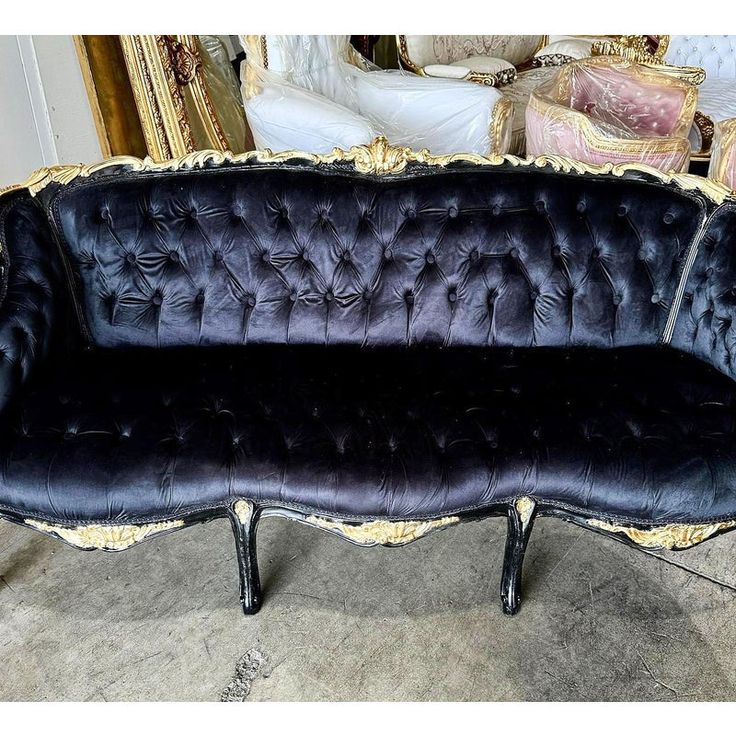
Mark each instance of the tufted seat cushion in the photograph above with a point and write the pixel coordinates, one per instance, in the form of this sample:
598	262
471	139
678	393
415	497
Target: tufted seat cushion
640	433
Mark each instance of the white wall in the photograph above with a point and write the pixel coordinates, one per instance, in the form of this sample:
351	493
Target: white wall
45	116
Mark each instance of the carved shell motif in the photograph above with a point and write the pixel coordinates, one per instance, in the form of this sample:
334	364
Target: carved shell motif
390	533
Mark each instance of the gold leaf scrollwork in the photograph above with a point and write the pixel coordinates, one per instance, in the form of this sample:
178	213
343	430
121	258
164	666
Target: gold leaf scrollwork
669	536
378	157
112	538
372	533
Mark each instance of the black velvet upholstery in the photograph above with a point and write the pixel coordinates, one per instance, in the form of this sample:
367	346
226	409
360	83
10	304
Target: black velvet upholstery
405	347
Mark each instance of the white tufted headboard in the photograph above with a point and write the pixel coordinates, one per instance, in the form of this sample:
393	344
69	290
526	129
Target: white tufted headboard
715	54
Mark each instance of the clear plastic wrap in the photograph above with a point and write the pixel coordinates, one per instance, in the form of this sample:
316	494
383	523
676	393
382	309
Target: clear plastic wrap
723	153
316	92
605	109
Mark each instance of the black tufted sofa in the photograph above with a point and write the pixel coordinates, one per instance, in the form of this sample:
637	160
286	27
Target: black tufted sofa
376	343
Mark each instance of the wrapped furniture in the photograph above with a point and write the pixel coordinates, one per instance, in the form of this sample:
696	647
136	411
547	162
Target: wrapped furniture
313	93
723	158
364	342
607	110
515	64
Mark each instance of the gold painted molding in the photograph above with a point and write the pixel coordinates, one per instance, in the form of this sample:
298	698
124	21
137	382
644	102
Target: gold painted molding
525	508
373	533
378	157
99	536
244	511
669	536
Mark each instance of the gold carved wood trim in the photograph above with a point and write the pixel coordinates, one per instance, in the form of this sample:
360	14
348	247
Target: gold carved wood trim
378	157
391	533
113	538
669	536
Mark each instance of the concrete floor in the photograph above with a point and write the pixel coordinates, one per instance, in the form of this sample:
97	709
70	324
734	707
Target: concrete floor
161	621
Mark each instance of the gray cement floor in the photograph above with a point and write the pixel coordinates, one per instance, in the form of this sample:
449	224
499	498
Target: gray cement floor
161	621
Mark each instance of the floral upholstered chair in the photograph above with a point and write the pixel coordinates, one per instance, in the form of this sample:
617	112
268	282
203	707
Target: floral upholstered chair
314	93
515	64
723	156
606	109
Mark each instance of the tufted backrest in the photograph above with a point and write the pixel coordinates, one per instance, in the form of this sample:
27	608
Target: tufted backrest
715	54
464	255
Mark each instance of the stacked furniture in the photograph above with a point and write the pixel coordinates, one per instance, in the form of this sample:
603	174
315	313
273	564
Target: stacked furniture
313	93
364	342
605	109
514	64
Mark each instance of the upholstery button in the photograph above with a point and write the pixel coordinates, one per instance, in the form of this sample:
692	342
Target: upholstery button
541	206
283	212
411	214
474	255
346	256
266	257
668	219
105	214
452	295
174	256
367	295
655	298
709	271
388	254
305	256
157	299
514	253
69	435
557	251
328	296
251	301
131	258
534	295
217	255
199	299
409	297
193	215
616	299
430	258
595	254
622	210
580	207
238	210
642	254
452	212
733	291
292	295
496	209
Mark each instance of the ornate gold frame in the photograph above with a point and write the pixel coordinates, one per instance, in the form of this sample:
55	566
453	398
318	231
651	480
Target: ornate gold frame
163	69
379	158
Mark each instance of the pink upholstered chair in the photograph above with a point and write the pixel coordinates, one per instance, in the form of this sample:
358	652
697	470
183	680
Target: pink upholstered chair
723	154
605	109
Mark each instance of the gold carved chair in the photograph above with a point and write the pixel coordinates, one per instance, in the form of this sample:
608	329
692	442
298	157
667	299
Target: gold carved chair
514	64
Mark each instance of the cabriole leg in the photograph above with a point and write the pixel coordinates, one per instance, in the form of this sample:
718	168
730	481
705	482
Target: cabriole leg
520	522
244	519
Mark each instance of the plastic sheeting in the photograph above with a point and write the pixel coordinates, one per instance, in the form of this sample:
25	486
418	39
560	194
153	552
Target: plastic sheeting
723	153
602	110
313	93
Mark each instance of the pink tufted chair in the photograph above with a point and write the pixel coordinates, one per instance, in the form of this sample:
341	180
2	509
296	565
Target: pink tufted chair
605	109
723	155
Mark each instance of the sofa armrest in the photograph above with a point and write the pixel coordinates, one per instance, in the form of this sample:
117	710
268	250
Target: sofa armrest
31	291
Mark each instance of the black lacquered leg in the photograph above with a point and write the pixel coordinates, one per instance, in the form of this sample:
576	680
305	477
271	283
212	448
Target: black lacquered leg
520	522
244	518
